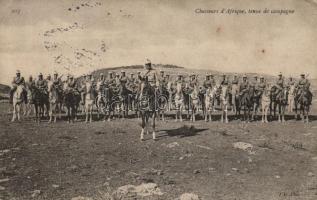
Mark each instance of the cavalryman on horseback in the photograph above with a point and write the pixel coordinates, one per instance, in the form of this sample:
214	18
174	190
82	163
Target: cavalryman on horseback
279	83
57	81
17	80
244	85
224	80
304	84
235	80
261	86
207	82
41	84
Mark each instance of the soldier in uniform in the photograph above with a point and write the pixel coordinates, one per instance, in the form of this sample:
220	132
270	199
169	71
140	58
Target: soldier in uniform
131	80
30	84
304	84
57	81
244	85
41	84
235	80
150	74
261	85
207	82
279	83
18	80
224	80
71	85
193	81
290	82
123	79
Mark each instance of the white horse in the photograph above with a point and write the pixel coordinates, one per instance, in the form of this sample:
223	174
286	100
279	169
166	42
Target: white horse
224	100
291	98
89	101
17	102
265	103
55	100
179	102
210	102
194	103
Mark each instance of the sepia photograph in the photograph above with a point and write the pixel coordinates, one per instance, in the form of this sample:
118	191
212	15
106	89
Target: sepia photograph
158	100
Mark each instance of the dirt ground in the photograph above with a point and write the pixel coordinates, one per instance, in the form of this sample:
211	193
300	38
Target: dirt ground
63	161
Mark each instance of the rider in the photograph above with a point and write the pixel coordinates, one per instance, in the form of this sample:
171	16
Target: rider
71	85
123	79
18	80
224	80
304	84
279	83
57	81
244	85
207	82
150	74
261	85
193	81
41	84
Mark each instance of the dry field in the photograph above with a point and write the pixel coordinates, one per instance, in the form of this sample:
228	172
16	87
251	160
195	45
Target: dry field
234	161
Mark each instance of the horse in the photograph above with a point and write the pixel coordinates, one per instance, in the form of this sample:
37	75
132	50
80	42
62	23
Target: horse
210	102
281	103
265	103
179	102
55	99
291	98
29	103
187	105
194	103
304	101
147	108
71	101
161	94
117	101
245	102
103	101
224	101
89	101
39	99
18	99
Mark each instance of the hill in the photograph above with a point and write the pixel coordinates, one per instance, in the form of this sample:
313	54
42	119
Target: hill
174	70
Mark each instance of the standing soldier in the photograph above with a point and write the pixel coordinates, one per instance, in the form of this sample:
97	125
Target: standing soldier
17	80
290	82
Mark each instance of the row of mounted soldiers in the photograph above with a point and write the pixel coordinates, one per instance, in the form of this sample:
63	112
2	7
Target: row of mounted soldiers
158	79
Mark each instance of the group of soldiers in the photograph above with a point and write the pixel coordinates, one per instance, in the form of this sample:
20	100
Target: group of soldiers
153	77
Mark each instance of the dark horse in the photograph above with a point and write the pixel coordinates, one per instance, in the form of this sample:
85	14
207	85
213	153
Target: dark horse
147	107
278	99
304	99
39	99
246	102
71	101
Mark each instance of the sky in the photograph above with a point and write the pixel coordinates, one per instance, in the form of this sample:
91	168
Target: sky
80	36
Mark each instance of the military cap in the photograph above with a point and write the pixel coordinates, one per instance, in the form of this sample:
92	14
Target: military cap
122	71
161	71
131	73
55	73
244	76
101	74
18	72
117	74
261	77
40	74
302	74
147	62
280	74
110	72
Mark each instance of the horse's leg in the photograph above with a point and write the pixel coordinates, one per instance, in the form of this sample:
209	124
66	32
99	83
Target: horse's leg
14	113
143	125
50	114
226	113
153	126
90	113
